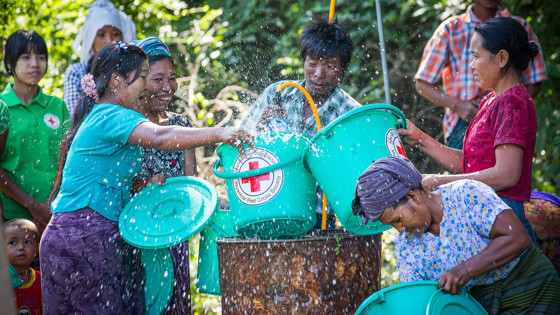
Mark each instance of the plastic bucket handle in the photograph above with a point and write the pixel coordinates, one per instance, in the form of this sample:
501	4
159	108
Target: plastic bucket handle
251	173
219	230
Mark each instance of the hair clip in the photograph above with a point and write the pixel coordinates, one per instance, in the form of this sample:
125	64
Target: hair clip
89	86
123	46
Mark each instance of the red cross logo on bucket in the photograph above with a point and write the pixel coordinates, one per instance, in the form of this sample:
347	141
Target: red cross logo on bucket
393	143
255	180
51	120
258	189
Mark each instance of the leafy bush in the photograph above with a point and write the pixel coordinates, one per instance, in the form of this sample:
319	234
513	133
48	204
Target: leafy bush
226	49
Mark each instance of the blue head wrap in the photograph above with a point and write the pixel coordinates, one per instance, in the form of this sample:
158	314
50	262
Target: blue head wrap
153	46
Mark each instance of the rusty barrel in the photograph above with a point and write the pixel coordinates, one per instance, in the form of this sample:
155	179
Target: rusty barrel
325	272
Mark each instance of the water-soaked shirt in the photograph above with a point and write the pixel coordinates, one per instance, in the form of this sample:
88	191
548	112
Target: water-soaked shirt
101	163
293	101
469	211
336	105
507	118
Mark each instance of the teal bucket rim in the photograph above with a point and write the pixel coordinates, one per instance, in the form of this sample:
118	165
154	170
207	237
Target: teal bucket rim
379	106
378	296
275	236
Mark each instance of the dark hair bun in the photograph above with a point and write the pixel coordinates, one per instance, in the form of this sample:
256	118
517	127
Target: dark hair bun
533	49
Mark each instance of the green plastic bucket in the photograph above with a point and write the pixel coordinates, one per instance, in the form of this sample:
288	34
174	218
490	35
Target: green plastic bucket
342	151
419	298
208	265
271	194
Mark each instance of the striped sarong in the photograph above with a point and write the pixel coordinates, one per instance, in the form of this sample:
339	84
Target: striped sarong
532	287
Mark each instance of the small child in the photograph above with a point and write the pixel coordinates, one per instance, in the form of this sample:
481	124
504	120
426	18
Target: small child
22	245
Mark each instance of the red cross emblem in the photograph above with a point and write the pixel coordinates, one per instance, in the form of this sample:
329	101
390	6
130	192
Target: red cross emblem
255	180
51	121
400	149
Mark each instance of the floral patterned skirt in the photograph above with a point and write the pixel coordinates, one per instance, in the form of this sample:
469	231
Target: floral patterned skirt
87	268
543	211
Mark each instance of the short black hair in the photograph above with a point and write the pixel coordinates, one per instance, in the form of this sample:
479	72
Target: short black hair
508	34
325	40
113	58
22	224
23	42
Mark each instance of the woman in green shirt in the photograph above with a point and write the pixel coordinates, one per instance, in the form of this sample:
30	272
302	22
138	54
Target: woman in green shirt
30	153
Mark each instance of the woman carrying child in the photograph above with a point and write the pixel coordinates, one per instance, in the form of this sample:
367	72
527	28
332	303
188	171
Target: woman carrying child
461	234
87	266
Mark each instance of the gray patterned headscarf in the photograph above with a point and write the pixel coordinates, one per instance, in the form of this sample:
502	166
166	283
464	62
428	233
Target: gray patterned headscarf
383	183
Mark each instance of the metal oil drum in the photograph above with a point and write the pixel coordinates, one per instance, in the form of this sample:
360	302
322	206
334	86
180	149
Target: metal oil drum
325	272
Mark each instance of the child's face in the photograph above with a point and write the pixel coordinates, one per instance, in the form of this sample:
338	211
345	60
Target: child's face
30	68
21	246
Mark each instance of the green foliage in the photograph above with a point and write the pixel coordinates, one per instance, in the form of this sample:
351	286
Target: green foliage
252	43
58	22
546	164
262	47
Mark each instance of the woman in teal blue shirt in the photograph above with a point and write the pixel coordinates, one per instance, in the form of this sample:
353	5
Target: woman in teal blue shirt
99	158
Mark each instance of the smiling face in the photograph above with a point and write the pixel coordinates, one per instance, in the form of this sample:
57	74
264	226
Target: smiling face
21	245
106	35
129	93
161	84
485	67
322	75
30	68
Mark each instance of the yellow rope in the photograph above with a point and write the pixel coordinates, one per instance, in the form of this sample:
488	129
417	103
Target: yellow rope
317	120
331	12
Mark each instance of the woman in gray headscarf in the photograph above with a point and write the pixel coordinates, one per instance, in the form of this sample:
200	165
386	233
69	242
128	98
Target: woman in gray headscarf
104	24
461	234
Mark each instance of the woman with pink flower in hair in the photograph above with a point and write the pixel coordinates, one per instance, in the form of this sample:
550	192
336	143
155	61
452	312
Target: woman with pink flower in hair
87	267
